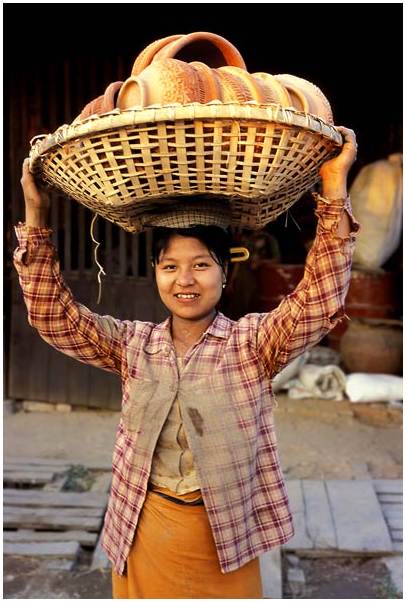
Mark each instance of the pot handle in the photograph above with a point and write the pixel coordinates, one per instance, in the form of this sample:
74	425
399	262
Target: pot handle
209	48
147	55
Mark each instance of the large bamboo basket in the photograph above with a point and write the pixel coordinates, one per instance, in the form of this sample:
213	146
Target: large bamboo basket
248	163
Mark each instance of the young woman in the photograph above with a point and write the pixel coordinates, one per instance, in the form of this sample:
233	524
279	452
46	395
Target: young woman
197	489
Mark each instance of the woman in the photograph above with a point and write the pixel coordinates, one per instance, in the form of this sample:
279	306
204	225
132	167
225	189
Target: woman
197	490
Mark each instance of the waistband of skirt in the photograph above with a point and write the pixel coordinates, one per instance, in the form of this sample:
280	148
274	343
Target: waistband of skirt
192	498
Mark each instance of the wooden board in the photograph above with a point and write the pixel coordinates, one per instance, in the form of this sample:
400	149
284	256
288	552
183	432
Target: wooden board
390	498
318	516
388	485
394	523
358	519
28	477
29	536
21	497
68	549
57	463
271	574
297	506
100	559
53	521
43	512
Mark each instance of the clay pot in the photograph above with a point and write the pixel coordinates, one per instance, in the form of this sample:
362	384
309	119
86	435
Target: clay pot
375	295
163	82
202	67
373	346
102	104
146	56
210	48
311	97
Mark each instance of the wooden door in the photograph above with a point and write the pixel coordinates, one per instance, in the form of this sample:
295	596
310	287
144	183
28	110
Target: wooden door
37	103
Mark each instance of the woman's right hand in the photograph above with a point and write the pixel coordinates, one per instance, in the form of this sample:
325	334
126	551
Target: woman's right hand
37	201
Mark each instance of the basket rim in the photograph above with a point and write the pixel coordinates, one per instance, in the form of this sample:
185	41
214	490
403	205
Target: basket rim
217	110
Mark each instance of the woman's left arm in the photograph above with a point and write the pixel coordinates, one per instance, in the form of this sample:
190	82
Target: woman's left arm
317	304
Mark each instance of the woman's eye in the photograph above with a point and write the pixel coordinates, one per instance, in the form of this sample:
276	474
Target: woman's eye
169	267
202	265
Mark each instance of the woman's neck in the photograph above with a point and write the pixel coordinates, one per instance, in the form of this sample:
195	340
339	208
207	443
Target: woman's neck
185	333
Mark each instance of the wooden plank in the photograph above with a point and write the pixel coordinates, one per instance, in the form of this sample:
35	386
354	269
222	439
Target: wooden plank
35	469
20	497
394	510
59	512
351	502
391	498
394	522
102	483
27	478
271	574
35	461
29	536
91	464
397	534
68	549
52	522
100	559
388	485
300	540
318	516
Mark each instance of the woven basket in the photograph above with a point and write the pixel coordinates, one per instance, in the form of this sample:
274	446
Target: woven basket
249	162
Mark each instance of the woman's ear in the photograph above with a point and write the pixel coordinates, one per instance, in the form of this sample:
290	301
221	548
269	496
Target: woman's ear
225	272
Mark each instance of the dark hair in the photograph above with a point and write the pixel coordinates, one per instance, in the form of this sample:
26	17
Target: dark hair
216	239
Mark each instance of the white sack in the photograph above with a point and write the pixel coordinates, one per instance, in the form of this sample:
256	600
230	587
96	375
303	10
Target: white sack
374	387
320	382
289	372
376	198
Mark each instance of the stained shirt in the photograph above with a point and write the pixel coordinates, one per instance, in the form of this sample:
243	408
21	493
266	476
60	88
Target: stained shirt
172	463
224	390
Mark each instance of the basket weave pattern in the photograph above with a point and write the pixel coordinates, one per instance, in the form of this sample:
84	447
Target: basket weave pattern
255	161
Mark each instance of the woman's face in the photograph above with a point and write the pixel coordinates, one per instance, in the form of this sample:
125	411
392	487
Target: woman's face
189	280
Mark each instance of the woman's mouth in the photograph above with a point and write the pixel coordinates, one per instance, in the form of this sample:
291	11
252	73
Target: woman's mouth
186	297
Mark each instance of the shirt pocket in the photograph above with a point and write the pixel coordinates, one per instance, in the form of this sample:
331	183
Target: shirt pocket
141	393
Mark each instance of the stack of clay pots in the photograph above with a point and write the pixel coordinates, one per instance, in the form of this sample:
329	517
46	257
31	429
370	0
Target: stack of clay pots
167	72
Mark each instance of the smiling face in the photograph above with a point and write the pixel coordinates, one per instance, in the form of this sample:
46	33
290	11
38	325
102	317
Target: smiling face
188	278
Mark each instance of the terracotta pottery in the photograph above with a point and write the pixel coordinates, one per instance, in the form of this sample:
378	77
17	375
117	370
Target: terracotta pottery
373	346
312	97
163	82
258	89
275	88
102	104
146	56
210	48
375	295
208	81
202	67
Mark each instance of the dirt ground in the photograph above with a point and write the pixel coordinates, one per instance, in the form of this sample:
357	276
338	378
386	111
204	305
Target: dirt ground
317	439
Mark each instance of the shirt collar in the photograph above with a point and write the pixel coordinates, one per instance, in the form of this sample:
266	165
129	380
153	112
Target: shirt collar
161	339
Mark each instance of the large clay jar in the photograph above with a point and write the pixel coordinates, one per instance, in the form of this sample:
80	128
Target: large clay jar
373	346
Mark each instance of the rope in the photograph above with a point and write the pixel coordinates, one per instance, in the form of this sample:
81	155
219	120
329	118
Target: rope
101	270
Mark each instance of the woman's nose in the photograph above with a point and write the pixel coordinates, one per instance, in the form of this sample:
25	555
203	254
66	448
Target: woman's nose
185	278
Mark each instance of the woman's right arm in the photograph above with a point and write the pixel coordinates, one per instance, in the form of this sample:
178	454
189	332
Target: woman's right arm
60	320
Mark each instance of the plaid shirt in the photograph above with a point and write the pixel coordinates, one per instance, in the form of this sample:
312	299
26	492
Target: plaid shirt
224	391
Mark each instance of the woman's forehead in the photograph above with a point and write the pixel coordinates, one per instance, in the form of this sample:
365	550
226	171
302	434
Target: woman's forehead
184	246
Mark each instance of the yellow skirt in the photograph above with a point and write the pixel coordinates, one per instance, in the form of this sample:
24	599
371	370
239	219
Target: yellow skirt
174	556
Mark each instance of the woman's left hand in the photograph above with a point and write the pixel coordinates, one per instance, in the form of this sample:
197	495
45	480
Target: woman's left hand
337	169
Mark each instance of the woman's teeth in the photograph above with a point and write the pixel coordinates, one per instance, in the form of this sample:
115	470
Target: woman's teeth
186	296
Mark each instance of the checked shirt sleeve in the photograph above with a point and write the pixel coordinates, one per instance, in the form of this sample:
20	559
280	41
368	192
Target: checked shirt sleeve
62	322
316	305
